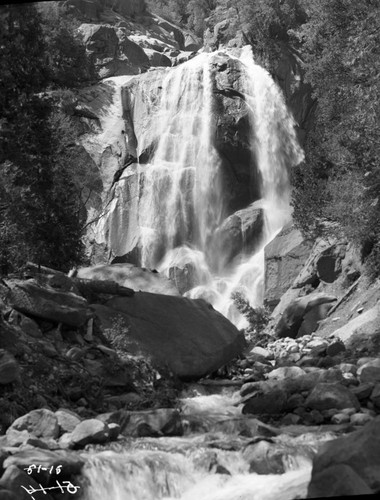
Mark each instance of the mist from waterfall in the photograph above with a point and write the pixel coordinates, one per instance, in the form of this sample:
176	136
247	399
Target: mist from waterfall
183	203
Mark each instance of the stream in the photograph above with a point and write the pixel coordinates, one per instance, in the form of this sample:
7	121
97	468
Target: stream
223	455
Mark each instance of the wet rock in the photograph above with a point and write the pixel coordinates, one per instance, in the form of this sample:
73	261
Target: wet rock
331	395
162	421
348	465
88	431
9	368
114	431
337	480
273	402
264	458
240	231
30	298
41	423
67	420
370	371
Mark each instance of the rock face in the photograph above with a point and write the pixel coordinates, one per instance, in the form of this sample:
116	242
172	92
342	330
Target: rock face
187	336
283	258
113	52
348	465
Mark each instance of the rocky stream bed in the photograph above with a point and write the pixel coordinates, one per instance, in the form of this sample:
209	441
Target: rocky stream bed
288	419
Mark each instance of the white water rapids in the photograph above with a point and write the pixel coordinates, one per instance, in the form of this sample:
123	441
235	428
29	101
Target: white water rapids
183	200
212	465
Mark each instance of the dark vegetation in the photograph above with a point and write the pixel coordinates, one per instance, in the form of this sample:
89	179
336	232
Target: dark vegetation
41	205
338	42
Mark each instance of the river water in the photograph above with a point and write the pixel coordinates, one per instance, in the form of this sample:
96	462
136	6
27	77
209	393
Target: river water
229	457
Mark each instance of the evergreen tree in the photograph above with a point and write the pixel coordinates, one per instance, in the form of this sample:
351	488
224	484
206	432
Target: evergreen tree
39	199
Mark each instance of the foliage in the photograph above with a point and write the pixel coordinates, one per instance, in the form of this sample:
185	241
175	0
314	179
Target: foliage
340	46
41	212
257	317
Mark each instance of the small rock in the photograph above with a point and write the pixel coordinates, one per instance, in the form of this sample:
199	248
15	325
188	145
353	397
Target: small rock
370	371
349	379
317	346
114	431
362	391
9	368
335	348
285	372
348	368
67	420
260	352
291	419
89	431
41	423
330	395
294	401
340	418
348	411
360	418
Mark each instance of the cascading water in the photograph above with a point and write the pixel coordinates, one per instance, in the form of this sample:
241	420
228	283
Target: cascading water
215	464
183	198
183	204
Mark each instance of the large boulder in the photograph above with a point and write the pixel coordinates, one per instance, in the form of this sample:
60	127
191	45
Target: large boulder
348	465
47	303
241	231
130	276
284	256
302	315
186	336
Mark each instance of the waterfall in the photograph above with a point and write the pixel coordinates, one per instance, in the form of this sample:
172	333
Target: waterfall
183	202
